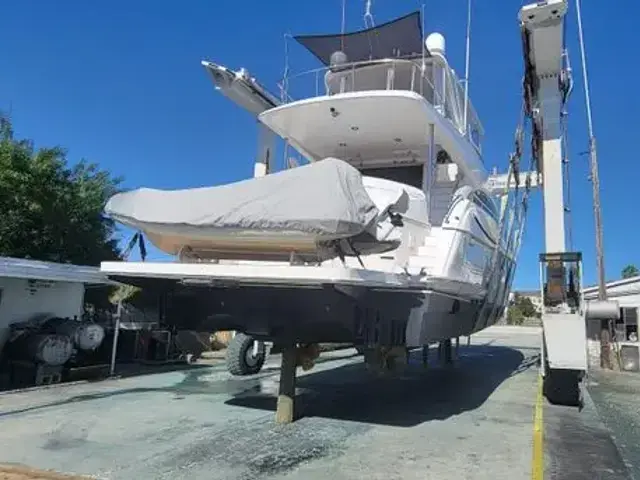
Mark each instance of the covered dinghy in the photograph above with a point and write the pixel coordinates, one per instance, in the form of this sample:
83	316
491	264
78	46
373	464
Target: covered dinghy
320	210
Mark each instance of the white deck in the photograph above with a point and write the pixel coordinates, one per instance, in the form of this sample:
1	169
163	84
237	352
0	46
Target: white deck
272	273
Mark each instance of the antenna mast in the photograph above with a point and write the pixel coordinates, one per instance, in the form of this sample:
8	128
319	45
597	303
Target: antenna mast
343	24
602	291
368	18
466	66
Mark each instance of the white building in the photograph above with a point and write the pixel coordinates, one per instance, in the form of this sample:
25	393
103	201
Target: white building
627	293
29	287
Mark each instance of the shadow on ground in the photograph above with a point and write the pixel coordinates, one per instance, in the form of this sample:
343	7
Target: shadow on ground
419	395
348	392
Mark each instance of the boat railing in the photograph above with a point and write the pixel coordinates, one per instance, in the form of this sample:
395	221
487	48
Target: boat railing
432	78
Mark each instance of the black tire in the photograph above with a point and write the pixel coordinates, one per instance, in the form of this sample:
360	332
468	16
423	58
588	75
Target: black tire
240	359
562	387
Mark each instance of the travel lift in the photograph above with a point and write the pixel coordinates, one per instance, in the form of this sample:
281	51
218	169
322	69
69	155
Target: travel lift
565	314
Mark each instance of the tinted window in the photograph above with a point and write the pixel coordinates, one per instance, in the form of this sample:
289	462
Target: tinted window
409	175
483	201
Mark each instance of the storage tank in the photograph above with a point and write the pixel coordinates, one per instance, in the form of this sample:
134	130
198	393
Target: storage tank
47	348
86	336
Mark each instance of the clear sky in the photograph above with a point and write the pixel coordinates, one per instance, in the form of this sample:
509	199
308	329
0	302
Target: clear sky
120	83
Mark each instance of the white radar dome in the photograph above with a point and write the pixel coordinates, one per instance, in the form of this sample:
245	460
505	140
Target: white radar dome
436	44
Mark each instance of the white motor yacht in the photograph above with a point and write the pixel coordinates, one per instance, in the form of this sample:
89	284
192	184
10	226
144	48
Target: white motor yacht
384	230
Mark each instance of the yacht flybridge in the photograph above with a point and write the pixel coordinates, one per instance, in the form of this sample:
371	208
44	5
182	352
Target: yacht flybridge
384	233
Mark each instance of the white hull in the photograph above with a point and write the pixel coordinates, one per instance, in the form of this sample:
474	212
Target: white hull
426	310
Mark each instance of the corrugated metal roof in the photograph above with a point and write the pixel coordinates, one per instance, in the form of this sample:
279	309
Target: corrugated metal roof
615	283
61	272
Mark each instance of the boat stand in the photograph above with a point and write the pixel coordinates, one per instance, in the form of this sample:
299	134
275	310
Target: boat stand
425	356
293	356
285	408
445	352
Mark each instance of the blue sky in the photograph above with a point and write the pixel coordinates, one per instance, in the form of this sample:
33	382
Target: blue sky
120	83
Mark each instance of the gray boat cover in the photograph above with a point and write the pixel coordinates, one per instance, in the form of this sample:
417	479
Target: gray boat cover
325	200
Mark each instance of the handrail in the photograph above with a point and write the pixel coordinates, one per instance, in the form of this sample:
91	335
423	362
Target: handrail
360	63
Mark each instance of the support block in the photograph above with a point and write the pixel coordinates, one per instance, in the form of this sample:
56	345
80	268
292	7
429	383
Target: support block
285	408
445	352
425	356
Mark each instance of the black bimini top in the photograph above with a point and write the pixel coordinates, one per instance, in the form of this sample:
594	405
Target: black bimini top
401	37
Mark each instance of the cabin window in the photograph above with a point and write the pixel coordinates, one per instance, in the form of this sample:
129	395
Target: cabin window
627	325
409	175
483	201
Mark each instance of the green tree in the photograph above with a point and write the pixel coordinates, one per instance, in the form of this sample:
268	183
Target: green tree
514	315
529	310
520	308
50	211
630	271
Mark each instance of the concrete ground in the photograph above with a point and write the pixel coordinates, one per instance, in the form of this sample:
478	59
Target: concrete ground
616	397
473	421
578	445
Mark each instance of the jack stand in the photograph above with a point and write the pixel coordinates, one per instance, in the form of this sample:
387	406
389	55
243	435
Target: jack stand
287	389
307	355
425	356
445	352
385	359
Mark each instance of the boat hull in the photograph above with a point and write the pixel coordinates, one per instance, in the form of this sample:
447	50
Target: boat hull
325	312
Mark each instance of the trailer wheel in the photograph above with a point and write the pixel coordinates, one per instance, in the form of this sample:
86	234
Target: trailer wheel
240	358
562	387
